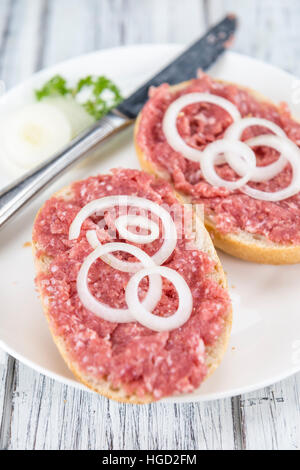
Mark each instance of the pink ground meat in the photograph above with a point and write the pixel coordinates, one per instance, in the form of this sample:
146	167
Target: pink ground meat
202	123
129	355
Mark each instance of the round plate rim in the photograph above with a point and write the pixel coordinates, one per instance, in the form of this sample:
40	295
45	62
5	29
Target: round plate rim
72	382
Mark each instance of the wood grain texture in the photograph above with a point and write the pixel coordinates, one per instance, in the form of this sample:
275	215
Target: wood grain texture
39	413
49	415
269	29
271	417
3	371
20	45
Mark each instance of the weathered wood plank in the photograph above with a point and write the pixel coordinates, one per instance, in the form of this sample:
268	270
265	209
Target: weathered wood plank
48	415
269	30
8	380
70	29
36	412
3	372
130	22
20	41
5	26
6	9
268	418
271	416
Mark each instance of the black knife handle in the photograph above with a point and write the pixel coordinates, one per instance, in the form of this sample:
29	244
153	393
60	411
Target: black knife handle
201	54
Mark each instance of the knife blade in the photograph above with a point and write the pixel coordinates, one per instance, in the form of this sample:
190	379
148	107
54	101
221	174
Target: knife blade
201	54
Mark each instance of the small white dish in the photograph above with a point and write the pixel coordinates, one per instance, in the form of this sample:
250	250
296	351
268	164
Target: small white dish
265	341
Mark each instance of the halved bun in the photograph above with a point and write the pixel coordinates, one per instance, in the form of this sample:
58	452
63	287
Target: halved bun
104	387
244	245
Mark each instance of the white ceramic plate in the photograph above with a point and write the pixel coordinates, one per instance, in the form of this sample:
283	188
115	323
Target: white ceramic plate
265	341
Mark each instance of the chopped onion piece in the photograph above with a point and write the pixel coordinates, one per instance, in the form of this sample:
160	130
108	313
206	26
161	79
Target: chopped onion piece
170	120
104	311
144	316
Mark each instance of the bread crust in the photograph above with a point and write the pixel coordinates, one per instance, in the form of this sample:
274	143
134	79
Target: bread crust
214	353
257	249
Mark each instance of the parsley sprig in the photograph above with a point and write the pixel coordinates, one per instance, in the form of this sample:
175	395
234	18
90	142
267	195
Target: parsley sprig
57	85
104	94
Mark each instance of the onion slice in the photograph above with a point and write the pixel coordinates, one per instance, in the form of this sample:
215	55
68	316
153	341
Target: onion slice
100	205
262	173
265	173
232	150
104	311
111	260
32	134
237	154
93	240
236	129
144	316
292	154
125	221
170	120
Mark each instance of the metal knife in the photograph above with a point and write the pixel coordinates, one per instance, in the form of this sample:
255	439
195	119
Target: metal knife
201	54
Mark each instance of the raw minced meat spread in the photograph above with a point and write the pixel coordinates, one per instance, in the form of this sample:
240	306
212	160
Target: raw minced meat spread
202	123
129	355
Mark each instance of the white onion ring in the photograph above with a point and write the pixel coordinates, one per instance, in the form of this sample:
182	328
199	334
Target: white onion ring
137	221
98	205
229	149
116	263
236	129
144	316
104	311
292	154
93	240
263	173
170	120
232	149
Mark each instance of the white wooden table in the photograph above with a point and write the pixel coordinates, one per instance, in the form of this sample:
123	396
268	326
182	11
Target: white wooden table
39	413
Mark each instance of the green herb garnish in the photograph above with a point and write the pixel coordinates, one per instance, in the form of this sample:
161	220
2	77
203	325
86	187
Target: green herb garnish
104	95
57	85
